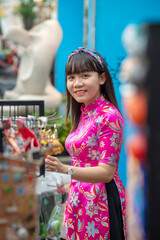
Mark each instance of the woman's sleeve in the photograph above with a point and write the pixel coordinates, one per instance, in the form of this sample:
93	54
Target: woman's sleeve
110	139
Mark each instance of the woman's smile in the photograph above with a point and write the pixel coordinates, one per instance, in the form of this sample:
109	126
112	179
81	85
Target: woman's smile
80	92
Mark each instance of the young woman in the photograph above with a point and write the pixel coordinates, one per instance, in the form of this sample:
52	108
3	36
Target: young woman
96	205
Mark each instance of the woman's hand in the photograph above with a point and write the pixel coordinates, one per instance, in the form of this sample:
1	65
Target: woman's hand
52	164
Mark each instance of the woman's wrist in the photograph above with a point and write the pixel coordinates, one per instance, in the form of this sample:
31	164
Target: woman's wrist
65	169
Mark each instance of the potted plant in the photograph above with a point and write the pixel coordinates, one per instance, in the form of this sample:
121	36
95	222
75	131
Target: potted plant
26	10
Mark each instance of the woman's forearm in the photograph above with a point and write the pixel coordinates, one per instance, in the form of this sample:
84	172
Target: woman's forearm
96	174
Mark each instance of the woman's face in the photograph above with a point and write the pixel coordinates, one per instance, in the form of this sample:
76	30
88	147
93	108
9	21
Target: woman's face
85	87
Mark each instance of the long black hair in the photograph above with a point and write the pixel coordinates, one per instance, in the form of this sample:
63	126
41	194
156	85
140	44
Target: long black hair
84	62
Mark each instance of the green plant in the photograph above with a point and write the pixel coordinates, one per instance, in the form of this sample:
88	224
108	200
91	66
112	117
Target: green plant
49	112
26	9
63	131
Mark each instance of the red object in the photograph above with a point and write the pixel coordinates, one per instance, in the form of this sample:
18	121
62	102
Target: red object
30	178
6	123
10	59
136	107
137	145
27	134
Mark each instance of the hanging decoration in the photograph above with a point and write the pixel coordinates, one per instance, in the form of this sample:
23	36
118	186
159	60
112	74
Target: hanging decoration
133	73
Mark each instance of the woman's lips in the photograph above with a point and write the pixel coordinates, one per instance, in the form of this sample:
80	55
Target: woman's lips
80	92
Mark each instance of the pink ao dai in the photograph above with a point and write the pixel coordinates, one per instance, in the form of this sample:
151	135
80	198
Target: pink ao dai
98	138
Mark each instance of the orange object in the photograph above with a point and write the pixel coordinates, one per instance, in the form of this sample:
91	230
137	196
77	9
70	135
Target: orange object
137	107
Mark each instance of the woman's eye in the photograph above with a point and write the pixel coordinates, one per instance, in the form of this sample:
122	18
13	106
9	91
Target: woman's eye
70	78
85	75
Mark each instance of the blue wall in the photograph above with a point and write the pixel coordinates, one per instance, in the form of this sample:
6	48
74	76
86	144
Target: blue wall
111	19
70	16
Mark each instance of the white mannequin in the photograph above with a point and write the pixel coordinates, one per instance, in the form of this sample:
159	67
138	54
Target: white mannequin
40	45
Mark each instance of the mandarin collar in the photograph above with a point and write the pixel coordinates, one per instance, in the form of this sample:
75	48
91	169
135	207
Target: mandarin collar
93	105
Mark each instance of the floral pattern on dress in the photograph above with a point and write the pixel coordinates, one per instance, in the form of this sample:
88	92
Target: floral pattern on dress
91	209
98	138
115	141
91	229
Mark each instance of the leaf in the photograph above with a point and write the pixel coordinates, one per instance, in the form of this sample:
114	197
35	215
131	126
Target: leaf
105	224
114	126
102	206
92	190
89	196
78	238
101	238
80	225
73	236
102	191
104	219
97	189
69	209
109	111
103	154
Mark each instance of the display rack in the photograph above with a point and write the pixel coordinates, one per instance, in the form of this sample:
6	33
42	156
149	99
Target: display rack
15	108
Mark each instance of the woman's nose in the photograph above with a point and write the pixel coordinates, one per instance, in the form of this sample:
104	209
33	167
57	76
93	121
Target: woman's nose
78	82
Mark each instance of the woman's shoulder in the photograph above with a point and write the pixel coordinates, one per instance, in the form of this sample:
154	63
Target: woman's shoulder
110	112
